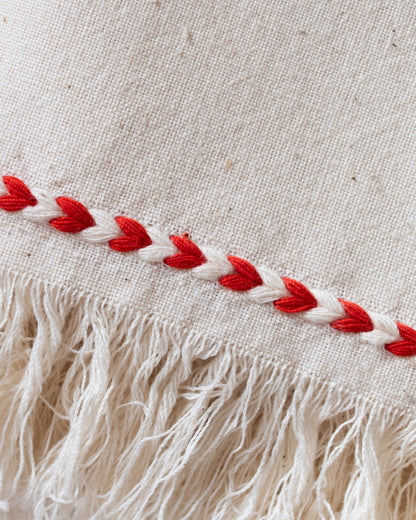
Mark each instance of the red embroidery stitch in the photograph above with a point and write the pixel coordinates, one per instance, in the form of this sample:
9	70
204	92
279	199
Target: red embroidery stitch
246	277
19	195
190	255
357	319
301	301
135	236
77	219
406	347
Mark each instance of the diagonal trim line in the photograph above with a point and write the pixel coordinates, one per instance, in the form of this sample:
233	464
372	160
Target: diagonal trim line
260	284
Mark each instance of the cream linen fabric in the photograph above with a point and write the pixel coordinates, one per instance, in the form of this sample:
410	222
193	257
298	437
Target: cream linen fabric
280	131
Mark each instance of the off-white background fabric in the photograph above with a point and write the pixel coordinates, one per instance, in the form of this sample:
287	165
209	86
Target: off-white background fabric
280	131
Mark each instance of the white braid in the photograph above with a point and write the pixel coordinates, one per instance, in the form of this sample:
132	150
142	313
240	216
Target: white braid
45	210
385	330
160	248
217	265
272	289
105	228
329	308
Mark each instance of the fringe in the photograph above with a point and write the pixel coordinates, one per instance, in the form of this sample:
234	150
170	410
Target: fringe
109	414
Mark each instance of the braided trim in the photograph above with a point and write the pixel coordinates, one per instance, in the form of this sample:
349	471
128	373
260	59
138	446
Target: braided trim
260	284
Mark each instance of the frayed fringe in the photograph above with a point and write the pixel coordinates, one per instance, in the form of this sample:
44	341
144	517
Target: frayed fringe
106	414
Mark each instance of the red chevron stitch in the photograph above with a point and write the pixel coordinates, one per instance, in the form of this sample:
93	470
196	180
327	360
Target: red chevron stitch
78	217
135	236
245	278
357	319
19	197
190	255
406	347
300	301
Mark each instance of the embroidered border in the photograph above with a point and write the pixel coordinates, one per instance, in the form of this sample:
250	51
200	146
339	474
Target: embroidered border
179	252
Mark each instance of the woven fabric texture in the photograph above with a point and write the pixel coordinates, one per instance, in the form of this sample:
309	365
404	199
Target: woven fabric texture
281	132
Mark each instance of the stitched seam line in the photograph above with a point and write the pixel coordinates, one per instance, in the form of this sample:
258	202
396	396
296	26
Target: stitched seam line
260	284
